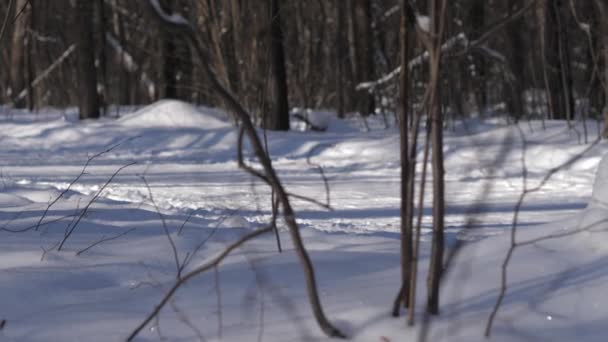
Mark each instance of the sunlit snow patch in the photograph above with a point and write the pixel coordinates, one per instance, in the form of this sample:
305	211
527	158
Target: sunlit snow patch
599	197
172	113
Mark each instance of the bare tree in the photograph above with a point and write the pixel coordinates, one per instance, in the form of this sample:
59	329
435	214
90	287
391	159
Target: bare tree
180	25
516	66
407	172
437	15
88	101
340	56
18	53
279	116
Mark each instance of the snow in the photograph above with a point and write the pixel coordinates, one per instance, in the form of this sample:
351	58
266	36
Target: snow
424	22
174	18
171	113
599	197
556	277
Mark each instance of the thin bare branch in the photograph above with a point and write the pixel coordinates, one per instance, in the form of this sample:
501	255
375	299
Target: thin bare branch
11	3
82	173
105	239
181	228
199	270
165	228
86	208
513	243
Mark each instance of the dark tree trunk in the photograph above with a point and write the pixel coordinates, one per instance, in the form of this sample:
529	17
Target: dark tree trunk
279	115
340	57
88	101
101	54
557	60
407	177
477	20
516	57
436	116
364	53
170	62
18	54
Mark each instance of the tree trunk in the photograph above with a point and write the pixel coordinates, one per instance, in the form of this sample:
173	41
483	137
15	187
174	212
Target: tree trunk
602	6
101	54
437	14
557	61
516	59
364	53
477	20
407	193
18	54
340	57
279	116
88	102
169	60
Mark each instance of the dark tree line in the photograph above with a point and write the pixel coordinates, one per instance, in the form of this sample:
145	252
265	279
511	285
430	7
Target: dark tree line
549	63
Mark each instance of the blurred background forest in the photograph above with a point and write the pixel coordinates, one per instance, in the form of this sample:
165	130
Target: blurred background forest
339	55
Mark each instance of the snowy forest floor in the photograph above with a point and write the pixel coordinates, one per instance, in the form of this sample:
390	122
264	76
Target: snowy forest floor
556	285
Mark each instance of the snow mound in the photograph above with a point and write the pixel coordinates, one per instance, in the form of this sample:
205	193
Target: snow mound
599	196
172	113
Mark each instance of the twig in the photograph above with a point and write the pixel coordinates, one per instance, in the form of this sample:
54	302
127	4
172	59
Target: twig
181	228
513	242
275	210
5	21
86	208
82	172
165	228
21	230
67	228
46	250
218	291
189	257
321	171
181	316
201	269
104	239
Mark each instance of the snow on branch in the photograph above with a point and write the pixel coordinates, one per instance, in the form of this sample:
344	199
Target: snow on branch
174	18
48	70
128	62
416	61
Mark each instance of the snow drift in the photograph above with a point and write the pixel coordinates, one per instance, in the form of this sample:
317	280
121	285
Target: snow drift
172	113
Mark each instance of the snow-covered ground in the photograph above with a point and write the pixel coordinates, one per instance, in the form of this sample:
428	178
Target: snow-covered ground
556	278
